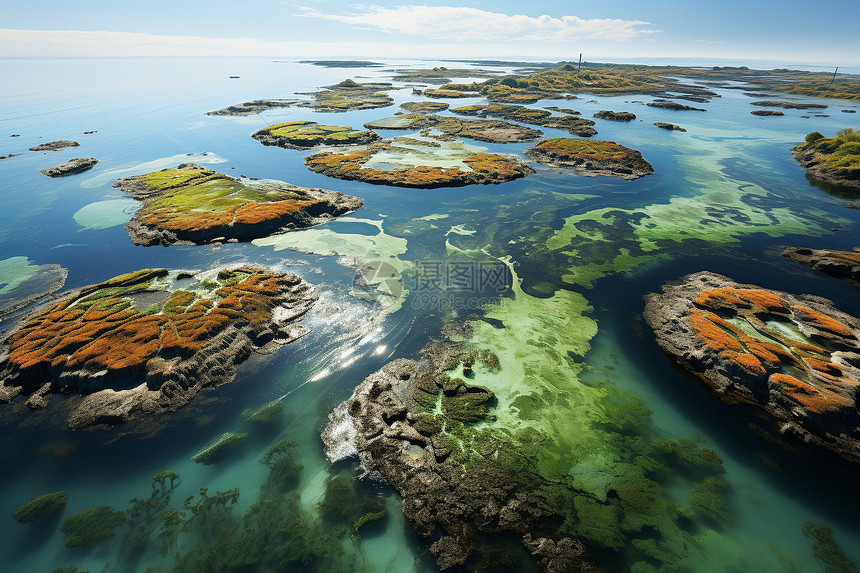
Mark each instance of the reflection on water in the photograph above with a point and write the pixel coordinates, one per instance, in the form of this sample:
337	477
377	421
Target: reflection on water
724	193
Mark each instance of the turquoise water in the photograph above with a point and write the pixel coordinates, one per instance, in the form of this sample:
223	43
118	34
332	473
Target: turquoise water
730	167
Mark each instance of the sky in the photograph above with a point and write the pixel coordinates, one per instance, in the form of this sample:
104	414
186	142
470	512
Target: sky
823	32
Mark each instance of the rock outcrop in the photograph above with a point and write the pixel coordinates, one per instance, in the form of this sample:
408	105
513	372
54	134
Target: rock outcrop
673	105
669	126
55	145
842	264
615	115
833	160
591	158
488	130
70	167
571	122
149	341
254	107
794	356
193	205
766	112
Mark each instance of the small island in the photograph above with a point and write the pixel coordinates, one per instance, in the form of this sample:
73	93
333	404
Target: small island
149	341
307	134
834	160
591	158
419	161
792	356
70	167
766	112
55	145
673	105
615	115
487	130
254	107
193	205
789	104
669	126
571	123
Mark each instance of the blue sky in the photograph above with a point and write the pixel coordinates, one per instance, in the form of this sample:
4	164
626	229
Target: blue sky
789	30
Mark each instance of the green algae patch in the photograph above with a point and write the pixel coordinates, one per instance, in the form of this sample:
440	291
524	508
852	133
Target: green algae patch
105	214
264	414
419	161
41	506
194	205
91	526
219	448
307	134
377	256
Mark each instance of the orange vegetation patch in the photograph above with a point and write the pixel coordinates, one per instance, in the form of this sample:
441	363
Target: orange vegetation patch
813	399
757	299
708	331
824	322
107	333
250	213
567	148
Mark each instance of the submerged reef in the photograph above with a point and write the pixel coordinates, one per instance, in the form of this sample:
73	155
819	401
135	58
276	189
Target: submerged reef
669	126
591	158
55	145
92	525
350	95
615	115
219	448
23	282
419	161
499	450
842	264
834	160
570	123
487	130
307	134
149	341
70	167
41	506
193	205
794	356
829	555
254	107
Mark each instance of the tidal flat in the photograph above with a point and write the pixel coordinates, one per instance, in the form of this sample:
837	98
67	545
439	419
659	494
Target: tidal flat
472	381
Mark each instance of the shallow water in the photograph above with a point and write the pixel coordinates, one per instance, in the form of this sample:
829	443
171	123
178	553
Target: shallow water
730	168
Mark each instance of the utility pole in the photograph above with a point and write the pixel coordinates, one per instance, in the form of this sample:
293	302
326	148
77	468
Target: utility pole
580	65
833	79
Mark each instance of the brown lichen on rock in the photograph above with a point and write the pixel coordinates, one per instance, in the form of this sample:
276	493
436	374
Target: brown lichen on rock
591	158
193	205
139	344
795	357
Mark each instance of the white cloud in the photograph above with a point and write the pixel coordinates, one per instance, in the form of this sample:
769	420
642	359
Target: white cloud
472	24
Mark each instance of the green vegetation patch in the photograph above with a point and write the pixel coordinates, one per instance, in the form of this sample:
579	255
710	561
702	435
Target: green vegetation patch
214	452
92	525
40	506
307	134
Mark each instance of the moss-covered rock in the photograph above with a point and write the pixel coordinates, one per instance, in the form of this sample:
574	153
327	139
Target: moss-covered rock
307	134
193	205
92	525
571	123
40	506
491	131
350	95
766	112
615	115
834	160
424	107
70	167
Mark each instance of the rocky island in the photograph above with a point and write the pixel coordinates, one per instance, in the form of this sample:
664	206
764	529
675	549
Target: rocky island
673	105
834	160
571	123
766	112
419	161
487	130
307	134
669	126
70	167
789	104
842	264
350	95
795	357
591	158
615	115
148	341
254	107
193	205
